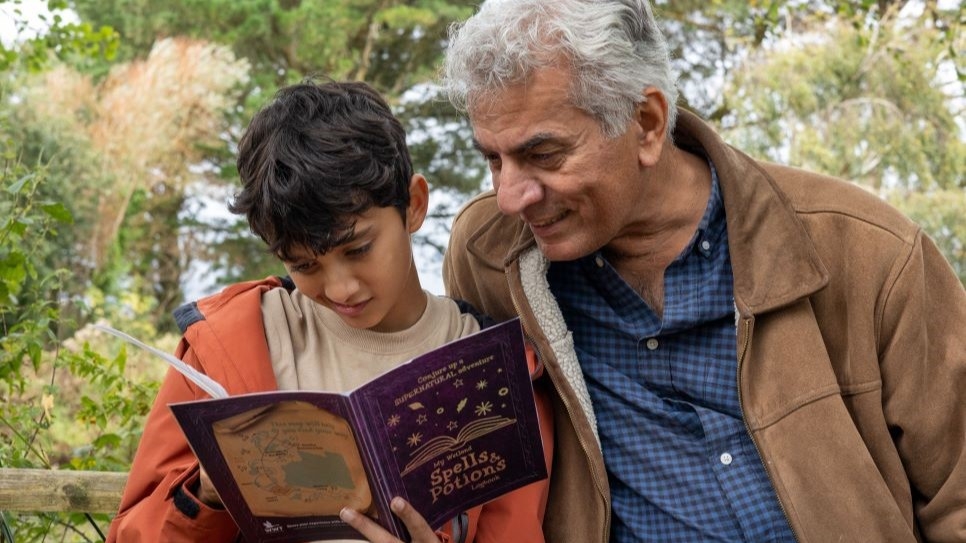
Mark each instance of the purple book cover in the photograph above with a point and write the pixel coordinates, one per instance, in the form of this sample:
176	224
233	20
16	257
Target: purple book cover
448	430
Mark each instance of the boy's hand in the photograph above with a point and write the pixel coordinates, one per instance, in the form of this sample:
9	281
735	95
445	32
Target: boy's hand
414	522
206	491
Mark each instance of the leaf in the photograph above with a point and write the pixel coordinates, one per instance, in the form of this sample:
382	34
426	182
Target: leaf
58	212
18	185
107	440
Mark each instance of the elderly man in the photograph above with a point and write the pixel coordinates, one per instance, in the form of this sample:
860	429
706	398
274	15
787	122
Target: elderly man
740	351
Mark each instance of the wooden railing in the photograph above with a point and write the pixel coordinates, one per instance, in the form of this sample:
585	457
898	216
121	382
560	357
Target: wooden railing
48	491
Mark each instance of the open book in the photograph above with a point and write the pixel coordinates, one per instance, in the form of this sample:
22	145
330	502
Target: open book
447	431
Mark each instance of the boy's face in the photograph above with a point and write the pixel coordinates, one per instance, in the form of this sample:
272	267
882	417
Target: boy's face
370	281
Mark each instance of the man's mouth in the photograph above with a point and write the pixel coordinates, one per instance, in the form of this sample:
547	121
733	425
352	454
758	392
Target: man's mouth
544	223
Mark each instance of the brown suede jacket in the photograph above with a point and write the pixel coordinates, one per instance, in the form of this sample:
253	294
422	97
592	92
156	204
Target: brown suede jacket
851	353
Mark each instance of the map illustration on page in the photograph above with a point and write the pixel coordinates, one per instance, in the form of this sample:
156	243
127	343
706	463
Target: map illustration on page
448	430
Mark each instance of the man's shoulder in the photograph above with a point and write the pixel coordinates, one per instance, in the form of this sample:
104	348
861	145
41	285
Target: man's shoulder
818	196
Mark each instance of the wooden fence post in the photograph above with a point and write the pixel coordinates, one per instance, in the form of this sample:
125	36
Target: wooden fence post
44	490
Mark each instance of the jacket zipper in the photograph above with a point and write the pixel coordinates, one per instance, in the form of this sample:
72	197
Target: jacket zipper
745	341
567	406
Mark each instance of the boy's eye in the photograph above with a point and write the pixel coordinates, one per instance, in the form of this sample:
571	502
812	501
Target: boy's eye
359	251
301	267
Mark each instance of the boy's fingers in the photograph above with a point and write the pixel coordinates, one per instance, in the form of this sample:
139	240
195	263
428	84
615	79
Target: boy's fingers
414	522
366	526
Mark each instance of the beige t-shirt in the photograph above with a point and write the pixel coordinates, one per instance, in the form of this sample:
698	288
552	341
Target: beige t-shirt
313	349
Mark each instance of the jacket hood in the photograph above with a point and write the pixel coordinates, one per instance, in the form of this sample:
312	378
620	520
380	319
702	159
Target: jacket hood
230	343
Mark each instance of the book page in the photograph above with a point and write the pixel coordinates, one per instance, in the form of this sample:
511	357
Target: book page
293	459
456	426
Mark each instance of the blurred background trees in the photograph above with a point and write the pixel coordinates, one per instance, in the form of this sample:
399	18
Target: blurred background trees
119	119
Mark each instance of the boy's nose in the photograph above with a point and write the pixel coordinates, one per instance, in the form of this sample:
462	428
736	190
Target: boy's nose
341	287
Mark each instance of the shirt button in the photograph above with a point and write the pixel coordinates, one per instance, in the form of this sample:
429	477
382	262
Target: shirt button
726	459
599	261
652	344
706	245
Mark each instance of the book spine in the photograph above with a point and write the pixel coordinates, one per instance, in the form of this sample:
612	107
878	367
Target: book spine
379	477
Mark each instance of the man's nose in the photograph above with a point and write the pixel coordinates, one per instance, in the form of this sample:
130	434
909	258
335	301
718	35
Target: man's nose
516	190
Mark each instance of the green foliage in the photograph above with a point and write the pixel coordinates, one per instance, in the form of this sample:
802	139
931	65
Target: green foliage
29	323
60	407
942	214
26	320
72	179
62	40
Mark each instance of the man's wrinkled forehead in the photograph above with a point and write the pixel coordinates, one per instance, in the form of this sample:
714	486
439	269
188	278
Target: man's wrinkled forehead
486	98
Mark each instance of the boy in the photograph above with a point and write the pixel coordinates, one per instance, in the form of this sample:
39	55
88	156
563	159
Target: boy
328	185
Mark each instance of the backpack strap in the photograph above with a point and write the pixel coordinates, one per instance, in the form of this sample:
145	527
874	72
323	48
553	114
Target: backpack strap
485	320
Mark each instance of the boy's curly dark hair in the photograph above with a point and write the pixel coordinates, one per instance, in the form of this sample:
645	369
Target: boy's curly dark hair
315	157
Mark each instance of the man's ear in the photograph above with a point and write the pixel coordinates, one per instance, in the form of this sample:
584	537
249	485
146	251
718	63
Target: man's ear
418	202
651	118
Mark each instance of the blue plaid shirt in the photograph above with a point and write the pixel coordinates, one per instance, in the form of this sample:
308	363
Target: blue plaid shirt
681	464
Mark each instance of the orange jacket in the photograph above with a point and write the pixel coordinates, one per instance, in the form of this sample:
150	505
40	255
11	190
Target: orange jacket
224	337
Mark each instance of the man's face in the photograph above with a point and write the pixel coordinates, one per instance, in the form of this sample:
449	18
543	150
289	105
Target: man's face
369	281
552	166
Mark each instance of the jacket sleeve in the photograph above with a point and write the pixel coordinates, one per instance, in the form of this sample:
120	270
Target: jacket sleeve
922	348
162	466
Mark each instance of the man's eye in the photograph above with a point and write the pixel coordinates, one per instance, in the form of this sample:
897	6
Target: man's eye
543	158
493	161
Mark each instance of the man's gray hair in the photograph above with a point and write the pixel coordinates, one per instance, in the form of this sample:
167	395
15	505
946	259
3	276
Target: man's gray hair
613	48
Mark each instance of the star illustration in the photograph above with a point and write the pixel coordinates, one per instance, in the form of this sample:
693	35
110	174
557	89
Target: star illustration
457	383
452	425
483	409
421	419
481	384
393	421
415	439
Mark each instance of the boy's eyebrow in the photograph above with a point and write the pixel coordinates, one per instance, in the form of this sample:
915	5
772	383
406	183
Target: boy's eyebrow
353	235
347	236
533	141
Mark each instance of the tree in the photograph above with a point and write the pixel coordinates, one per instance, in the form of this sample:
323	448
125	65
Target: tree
35	220
394	45
146	124
870	102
